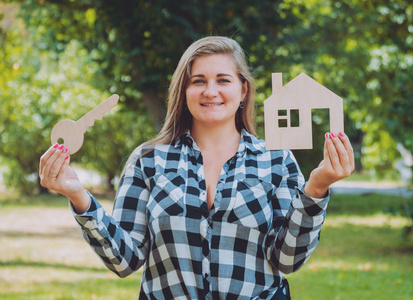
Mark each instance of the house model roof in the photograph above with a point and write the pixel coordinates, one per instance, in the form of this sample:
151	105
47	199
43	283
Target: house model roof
288	112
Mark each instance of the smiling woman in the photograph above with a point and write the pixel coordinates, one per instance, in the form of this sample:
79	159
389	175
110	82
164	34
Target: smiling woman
215	93
204	207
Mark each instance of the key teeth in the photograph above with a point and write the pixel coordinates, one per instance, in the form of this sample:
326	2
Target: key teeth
100	117
91	123
98	112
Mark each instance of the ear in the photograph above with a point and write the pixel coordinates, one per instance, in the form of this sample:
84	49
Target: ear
244	90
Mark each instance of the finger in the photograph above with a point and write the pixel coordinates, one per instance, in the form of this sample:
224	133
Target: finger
58	163
49	163
347	144
325	153
47	160
46	156
333	155
64	169
342	152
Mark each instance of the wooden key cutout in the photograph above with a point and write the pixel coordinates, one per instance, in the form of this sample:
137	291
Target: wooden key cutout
72	132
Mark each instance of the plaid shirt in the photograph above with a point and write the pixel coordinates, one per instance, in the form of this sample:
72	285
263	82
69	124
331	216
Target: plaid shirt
260	225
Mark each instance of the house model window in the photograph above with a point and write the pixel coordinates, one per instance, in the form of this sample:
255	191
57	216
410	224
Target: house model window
288	118
287	112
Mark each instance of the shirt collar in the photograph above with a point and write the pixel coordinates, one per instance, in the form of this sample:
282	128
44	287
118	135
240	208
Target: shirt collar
248	142
184	139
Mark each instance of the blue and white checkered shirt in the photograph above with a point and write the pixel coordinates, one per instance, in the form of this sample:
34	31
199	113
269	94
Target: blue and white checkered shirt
260	225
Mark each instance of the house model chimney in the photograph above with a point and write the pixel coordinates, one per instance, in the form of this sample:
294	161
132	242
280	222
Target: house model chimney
277	81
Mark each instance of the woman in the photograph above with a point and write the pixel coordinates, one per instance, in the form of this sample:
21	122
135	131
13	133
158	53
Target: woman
204	206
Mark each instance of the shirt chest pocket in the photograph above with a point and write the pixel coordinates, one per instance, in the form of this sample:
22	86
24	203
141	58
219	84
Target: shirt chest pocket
252	206
166	196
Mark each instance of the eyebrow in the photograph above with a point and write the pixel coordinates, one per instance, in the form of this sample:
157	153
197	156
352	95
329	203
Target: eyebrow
218	75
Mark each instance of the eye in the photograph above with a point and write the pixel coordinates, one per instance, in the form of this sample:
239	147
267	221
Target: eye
198	81
224	80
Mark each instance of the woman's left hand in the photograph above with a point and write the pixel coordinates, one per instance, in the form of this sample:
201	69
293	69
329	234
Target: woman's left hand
338	163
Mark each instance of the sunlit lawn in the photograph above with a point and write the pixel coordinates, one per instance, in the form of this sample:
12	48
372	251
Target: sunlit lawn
43	256
361	255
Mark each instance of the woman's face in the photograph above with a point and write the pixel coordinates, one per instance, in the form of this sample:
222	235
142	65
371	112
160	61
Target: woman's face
214	92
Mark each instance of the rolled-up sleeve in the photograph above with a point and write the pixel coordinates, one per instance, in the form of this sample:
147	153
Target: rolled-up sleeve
294	242
120	240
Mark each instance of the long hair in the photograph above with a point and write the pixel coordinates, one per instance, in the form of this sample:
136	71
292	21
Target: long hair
178	118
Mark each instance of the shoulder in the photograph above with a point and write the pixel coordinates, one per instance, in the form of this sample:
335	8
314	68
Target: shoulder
151	152
279	161
149	159
257	146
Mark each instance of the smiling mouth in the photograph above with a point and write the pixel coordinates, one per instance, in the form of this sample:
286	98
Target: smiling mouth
212	104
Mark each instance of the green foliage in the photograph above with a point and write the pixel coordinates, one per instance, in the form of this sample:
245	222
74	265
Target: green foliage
18	125
130	49
380	151
362	51
138	44
41	89
85	49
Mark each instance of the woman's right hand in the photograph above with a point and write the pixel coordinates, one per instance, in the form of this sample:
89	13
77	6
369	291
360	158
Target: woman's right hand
56	174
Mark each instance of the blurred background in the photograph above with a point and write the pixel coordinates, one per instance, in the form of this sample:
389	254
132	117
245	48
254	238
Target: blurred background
59	59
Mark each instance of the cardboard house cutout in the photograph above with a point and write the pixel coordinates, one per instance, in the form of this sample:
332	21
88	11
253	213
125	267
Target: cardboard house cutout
287	112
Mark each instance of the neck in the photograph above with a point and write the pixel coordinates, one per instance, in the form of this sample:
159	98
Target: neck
215	137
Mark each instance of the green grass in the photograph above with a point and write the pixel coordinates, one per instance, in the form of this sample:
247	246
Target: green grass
360	176
90	288
362	205
14	199
366	176
361	254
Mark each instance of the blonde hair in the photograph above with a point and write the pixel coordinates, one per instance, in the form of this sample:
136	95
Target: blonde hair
178	118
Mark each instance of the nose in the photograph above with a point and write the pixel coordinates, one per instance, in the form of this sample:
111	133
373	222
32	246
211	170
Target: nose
211	90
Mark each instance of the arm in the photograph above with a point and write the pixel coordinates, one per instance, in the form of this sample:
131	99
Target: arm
291	246
120	241
299	235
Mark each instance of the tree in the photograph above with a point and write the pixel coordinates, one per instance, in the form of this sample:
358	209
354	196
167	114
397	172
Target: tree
138	43
132	47
362	50
37	91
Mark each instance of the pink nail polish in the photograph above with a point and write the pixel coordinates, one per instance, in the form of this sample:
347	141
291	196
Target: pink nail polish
341	133
55	145
333	135
67	157
327	135
66	149
61	147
